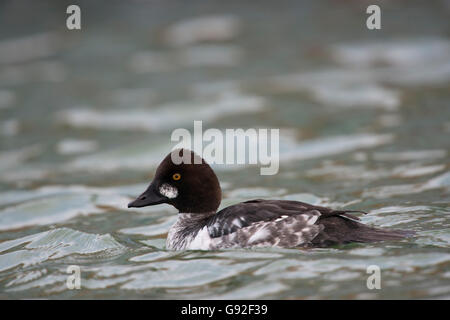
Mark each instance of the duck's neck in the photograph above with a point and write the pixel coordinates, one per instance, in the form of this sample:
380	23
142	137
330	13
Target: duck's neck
186	228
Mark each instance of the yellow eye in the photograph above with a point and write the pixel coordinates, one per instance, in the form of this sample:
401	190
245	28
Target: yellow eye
176	176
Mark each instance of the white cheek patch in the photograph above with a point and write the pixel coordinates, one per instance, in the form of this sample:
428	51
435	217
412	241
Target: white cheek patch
168	191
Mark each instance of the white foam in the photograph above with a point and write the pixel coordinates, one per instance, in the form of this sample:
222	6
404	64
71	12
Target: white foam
332	145
396	52
210	56
30	47
151	61
162	117
410	155
74	146
357	95
441	181
202	28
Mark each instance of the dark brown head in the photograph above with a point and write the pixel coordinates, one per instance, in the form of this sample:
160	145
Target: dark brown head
190	186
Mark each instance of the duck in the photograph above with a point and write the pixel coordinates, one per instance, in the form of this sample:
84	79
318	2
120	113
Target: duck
194	190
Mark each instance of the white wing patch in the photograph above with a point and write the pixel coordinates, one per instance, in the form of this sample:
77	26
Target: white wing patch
237	222
202	241
168	191
259	235
285	231
310	220
281	218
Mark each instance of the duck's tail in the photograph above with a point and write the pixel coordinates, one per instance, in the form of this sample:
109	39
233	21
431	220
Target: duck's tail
343	229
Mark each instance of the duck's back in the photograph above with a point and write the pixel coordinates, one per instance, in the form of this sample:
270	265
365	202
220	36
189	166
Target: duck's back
285	223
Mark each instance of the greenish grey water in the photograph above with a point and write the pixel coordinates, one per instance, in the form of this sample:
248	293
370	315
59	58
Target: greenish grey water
85	116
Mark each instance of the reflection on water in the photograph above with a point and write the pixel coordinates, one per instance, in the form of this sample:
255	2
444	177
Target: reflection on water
86	116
